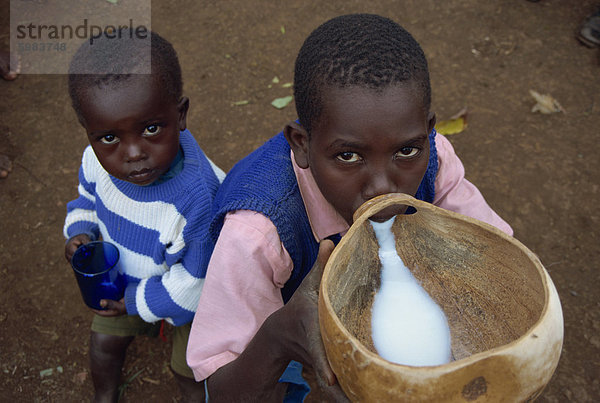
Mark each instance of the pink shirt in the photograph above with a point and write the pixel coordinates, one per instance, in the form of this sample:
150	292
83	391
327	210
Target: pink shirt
250	265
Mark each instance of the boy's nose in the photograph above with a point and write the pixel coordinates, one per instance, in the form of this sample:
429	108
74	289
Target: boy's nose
379	183
133	152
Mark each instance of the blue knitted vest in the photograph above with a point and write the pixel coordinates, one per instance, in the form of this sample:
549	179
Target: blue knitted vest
265	182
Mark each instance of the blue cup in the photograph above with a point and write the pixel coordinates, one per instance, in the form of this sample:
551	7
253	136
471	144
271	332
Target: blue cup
95	267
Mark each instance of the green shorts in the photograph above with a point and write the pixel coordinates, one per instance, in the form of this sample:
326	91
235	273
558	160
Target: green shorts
133	325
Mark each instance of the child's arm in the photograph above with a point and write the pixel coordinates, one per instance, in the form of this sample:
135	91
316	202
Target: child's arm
172	294
247	270
455	193
242	290
290	333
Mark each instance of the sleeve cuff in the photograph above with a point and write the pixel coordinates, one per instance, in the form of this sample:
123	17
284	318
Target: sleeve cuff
130	304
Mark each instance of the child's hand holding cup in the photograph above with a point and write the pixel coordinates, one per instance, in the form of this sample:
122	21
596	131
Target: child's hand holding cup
95	268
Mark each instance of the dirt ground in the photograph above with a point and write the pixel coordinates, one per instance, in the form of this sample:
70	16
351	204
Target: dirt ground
537	171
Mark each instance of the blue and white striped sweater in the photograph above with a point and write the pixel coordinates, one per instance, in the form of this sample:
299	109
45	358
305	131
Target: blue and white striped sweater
161	231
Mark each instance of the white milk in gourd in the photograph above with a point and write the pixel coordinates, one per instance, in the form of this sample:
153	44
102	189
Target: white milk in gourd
408	327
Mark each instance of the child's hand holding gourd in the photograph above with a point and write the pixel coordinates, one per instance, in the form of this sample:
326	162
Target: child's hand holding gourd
302	316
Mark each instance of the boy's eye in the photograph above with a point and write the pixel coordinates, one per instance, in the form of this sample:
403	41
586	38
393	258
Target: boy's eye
407	152
109	139
151	130
348	157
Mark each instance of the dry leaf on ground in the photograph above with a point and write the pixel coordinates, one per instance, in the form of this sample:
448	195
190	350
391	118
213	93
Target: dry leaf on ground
281	103
545	103
456	124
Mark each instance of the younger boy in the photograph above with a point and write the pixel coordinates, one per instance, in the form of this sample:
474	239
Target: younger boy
365	128
146	186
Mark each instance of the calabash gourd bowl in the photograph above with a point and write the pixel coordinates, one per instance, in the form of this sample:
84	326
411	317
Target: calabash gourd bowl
503	310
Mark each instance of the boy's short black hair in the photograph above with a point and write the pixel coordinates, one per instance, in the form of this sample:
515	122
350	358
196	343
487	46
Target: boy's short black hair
356	50
112	59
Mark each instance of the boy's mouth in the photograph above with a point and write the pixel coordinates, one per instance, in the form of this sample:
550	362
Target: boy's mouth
142	176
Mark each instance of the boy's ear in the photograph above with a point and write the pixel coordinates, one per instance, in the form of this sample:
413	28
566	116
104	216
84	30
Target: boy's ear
431	119
297	137
182	107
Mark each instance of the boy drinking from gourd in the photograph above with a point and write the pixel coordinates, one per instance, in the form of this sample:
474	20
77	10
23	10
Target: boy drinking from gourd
364	129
